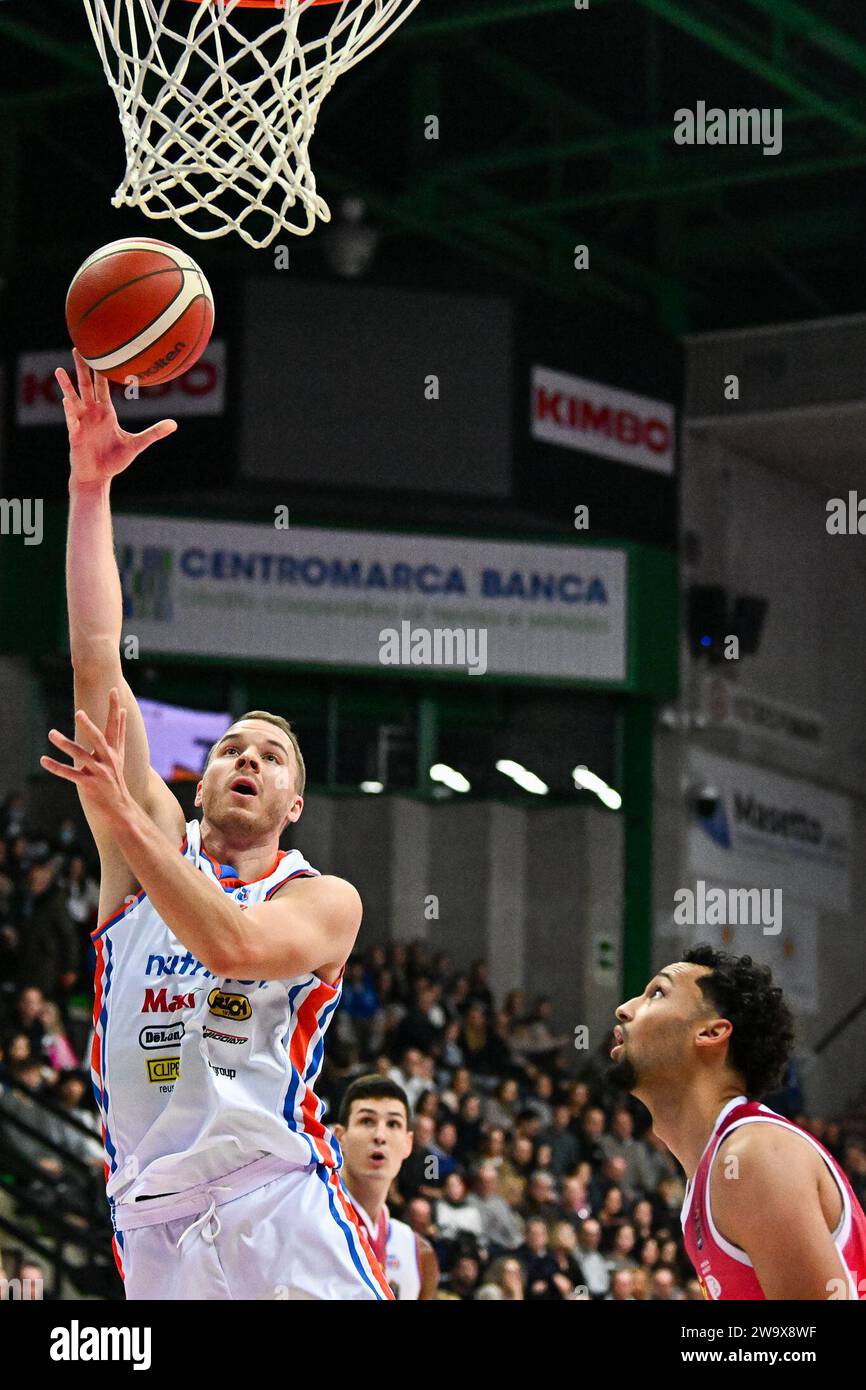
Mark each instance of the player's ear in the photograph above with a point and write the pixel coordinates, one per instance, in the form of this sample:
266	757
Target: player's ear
410	1140
198	794
338	1130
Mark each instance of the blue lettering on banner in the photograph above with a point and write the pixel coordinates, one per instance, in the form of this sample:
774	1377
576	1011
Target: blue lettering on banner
314	571
567	588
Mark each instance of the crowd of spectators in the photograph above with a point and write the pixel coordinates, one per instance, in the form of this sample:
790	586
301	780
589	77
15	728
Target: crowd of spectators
530	1176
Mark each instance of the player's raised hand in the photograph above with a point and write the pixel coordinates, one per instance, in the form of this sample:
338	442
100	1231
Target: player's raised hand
99	775
98	447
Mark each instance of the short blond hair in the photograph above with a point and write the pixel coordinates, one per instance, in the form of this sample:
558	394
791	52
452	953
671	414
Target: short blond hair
287	729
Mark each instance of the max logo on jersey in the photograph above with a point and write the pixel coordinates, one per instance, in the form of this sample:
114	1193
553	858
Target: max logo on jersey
157	1001
225	1005
161	1035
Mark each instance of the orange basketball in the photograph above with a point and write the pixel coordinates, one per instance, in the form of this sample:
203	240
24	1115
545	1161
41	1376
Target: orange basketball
140	308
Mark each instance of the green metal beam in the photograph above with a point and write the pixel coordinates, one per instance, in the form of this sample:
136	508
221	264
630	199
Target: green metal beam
34	101
798	19
402	212
17	31
655	190
750	59
530	85
477	17
643	138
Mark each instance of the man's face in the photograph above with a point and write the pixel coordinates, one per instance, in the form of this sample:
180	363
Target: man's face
248	788
419	1215
659	1029
29	1005
376	1140
590	1235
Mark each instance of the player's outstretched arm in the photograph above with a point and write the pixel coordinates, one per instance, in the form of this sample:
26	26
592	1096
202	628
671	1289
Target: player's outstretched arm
98	450
769	1206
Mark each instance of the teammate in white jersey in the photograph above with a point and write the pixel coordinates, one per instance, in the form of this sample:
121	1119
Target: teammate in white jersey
375	1137
219	964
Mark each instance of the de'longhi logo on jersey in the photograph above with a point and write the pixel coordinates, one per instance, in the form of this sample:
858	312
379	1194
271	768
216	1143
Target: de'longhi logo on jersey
161	1035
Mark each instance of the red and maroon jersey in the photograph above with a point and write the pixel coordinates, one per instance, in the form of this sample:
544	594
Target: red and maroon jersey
725	1271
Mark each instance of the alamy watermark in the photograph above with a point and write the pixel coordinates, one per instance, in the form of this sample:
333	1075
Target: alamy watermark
736	126
438	646
22	516
729	907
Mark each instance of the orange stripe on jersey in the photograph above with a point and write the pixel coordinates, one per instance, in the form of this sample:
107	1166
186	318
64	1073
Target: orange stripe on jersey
351	1215
306	1026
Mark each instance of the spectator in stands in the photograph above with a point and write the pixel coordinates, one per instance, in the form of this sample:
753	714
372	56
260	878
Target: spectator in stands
82	893
664	1287
642	1218
468	1129
540	1102
621	1143
611	1215
48	952
621	1287
506	1275
591	1134
17	1104
419	1215
594	1266
479	985
12	816
463	1278
55	1044
574	1200
443	1147
450	1051
461	1085
31	1277
501	1227
622	1250
565	1150
534	1040
538	1263
410	1075
7	885
420	1029
67	1097
563	1248
419	1175
66	841
540	1200
475	1040
455	1213
28	1011
499	1108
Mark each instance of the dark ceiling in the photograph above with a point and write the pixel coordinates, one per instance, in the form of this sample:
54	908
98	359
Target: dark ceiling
556	128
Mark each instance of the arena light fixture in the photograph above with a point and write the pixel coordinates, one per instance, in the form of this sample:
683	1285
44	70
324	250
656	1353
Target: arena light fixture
450	777
526	780
588	781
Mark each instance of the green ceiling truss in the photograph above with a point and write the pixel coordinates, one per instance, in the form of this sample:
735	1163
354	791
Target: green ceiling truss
563	171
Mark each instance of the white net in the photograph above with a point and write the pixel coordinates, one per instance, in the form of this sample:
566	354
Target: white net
218	104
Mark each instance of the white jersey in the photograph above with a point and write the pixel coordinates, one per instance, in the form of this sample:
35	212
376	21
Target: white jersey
402	1255
197	1076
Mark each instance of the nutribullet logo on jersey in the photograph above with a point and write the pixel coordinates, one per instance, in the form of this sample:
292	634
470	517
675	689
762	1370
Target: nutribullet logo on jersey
147	582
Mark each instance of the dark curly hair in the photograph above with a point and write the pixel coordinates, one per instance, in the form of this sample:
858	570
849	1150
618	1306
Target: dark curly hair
763	1025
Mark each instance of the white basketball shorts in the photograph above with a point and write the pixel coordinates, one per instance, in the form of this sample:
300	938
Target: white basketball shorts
265	1232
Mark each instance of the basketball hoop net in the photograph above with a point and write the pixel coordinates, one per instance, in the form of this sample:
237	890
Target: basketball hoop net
219	99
